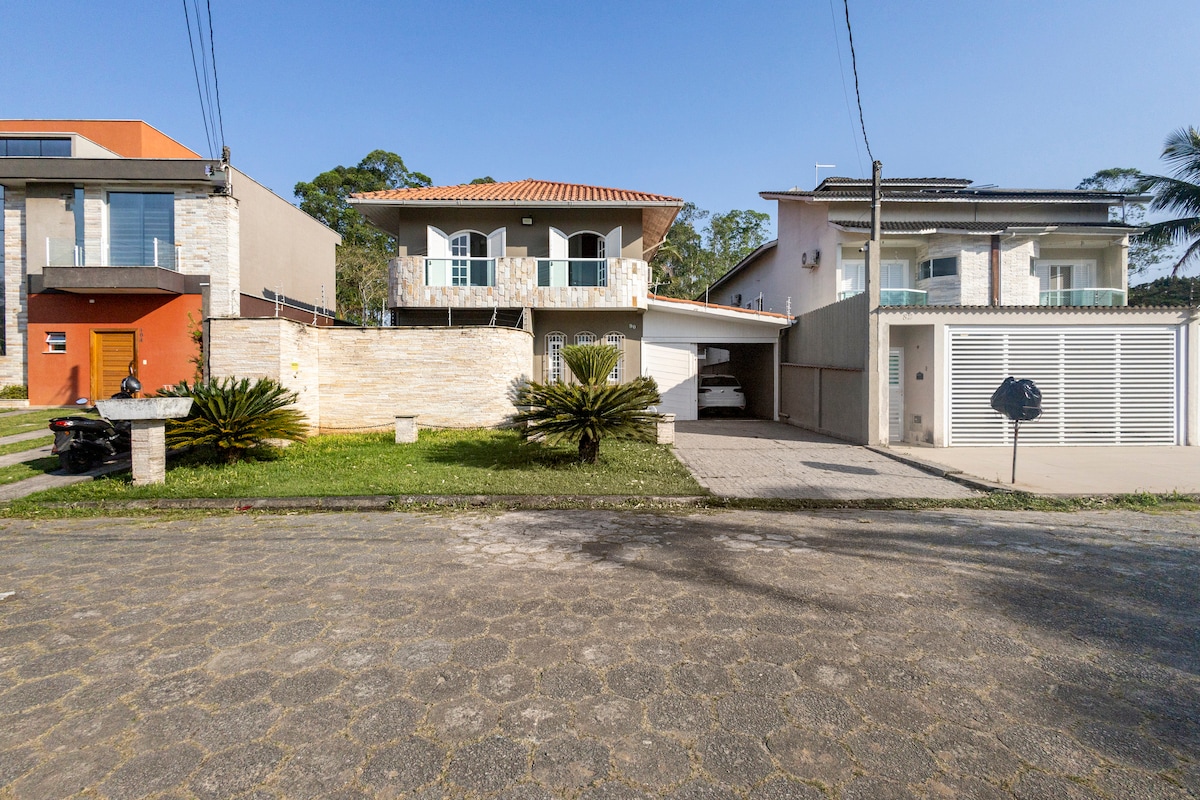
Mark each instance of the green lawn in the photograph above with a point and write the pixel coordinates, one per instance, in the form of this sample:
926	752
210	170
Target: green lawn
27	444
448	462
25	421
28	469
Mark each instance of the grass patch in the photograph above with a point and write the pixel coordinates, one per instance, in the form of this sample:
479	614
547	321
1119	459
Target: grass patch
27	469
28	444
454	462
15	422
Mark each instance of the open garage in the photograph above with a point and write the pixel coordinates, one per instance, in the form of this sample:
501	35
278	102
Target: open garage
684	340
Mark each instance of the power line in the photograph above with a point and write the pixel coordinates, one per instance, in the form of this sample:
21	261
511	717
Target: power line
212	120
196	72
837	40
216	83
857	93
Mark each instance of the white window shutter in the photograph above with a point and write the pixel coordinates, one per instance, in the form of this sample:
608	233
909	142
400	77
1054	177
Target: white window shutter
893	275
438	243
612	243
558	244
497	241
853	276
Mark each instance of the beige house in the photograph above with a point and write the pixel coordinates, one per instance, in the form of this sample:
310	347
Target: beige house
568	264
975	284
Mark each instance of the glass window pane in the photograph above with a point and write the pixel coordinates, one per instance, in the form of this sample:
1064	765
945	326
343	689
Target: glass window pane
135	221
56	148
24	147
479	272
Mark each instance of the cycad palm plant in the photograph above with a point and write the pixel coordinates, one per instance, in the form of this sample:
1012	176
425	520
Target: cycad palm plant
583	413
231	417
1178	192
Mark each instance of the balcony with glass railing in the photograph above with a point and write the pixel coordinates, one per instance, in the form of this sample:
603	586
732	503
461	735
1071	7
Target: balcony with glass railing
588	272
1083	297
64	252
895	297
460	271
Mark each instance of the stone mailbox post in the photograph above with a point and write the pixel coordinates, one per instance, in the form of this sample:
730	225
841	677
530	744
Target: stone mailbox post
148	431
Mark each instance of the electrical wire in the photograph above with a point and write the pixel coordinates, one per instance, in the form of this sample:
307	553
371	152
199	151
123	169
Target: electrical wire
196	72
857	93
204	67
216	83
837	40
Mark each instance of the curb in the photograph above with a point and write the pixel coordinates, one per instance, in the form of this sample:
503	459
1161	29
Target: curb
388	502
942	472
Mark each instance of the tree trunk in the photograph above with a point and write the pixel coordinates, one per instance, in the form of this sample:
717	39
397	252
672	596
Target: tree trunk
589	450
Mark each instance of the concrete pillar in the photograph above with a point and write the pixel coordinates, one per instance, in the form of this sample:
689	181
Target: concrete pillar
149	451
406	429
666	429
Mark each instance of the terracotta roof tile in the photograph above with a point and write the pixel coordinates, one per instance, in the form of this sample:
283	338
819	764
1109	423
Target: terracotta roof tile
748	311
530	191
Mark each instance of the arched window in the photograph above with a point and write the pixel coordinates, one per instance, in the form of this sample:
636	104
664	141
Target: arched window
465	246
585	337
585	245
617	340
554	360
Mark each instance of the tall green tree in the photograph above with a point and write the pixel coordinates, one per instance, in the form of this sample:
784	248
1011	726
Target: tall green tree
1143	254
593	409
701	247
362	258
1166	291
1177	193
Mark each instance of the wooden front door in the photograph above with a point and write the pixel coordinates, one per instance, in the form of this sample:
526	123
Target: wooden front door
114	357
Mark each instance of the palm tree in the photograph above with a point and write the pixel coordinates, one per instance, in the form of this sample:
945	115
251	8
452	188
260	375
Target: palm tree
1179	193
592	409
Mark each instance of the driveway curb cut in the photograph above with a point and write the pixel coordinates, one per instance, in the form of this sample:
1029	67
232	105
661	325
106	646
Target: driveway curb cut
388	502
942	472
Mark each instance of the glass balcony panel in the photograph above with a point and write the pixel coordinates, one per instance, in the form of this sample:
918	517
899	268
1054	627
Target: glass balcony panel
903	297
460	272
1083	297
63	252
584	272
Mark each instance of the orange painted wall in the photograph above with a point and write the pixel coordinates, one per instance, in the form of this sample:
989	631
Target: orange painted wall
164	344
128	138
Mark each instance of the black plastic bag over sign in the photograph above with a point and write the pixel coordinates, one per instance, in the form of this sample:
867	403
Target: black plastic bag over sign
1019	400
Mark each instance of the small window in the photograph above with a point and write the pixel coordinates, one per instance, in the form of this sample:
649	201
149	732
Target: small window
554	359
937	267
616	340
56	342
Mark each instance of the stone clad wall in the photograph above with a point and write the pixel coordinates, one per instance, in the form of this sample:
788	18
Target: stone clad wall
516	287
354	379
15	313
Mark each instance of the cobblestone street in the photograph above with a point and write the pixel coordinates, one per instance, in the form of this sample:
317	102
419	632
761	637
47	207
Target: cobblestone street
602	655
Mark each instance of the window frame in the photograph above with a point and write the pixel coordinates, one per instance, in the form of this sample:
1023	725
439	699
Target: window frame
56	342
555	366
931	265
616	339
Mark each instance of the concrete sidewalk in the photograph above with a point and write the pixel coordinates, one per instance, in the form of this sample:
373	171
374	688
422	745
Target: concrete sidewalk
1070	470
760	459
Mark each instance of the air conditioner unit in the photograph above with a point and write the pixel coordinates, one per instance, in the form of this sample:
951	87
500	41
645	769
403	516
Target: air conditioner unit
810	259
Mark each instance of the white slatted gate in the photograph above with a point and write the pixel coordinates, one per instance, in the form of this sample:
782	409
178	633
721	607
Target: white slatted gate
1100	385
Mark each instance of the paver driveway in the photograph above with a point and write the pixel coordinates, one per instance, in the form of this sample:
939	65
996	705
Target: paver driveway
756	458
602	655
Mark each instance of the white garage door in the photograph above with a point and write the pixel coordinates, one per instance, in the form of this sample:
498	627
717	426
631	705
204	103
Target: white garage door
1100	386
673	365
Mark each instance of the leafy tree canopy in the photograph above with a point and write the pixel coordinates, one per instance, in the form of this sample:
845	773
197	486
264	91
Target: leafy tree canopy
362	258
1142	254
701	247
1177	193
1169	291
326	196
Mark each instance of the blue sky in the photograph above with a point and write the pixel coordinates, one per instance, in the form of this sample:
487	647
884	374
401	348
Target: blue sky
708	101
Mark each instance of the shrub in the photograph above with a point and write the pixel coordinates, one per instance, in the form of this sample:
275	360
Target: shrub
592	409
17	391
233	417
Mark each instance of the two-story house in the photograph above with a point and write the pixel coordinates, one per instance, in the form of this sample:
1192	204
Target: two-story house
975	284
569	264
118	242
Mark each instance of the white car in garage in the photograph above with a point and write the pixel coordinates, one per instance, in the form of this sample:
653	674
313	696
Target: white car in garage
720	392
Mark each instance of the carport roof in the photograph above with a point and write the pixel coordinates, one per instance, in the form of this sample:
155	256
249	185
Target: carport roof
676	305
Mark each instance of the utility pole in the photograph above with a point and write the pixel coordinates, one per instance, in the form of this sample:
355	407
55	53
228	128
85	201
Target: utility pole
877	350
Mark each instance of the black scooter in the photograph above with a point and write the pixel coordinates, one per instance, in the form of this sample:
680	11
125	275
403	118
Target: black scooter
84	442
